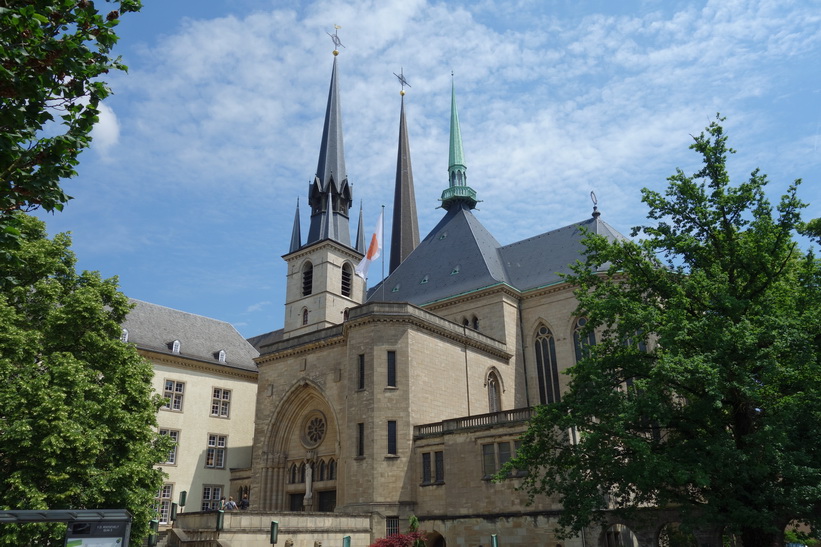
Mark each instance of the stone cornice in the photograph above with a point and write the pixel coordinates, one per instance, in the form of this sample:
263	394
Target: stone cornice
502	288
191	363
353	254
547	289
384	312
302	344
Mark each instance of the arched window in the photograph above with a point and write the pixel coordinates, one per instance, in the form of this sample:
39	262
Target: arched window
465	322
332	470
307	279
321	474
347	279
175	346
475	323
494	393
305	316
293	473
581	341
301	472
221	356
546	366
124	335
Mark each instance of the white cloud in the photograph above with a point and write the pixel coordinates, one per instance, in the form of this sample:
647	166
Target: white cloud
221	121
106	132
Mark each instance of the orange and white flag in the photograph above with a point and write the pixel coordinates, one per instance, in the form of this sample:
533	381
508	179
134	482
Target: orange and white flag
374	250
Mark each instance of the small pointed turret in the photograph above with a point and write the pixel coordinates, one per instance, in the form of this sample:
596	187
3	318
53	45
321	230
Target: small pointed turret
360	232
458	190
330	195
296	232
405	230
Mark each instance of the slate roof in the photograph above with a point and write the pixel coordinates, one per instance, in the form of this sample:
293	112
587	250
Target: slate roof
459	256
153	327
266	339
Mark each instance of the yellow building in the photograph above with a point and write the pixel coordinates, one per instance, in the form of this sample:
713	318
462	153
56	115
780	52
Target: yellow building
205	370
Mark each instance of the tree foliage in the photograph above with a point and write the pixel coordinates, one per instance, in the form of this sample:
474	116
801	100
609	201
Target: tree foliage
704	390
77	414
51	55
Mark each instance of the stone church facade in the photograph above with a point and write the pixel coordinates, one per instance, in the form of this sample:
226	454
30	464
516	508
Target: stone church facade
405	399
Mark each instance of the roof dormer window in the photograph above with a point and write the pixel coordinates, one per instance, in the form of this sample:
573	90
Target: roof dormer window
175	346
124	335
221	356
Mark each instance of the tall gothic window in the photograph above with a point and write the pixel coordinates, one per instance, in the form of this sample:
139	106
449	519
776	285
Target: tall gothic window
494	393
546	366
347	279
581	341
307	279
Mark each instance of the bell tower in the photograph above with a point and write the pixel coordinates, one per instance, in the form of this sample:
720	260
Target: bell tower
321	283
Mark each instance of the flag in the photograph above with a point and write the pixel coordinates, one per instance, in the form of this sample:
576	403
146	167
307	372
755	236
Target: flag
374	250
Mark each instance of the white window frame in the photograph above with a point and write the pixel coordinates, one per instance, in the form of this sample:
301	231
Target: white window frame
172	454
174	394
221	402
215	454
211	494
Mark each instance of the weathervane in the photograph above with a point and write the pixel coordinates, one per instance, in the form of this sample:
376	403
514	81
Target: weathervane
336	40
402	80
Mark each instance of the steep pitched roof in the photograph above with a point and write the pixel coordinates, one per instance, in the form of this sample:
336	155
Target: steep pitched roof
540	260
459	256
155	328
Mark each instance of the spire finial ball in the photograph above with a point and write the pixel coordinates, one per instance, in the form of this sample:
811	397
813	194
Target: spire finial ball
402	92
336	52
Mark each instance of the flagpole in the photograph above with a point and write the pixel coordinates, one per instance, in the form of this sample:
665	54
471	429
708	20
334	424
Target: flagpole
383	253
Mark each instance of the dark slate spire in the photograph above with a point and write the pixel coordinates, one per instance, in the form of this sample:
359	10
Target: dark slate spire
296	233
458	190
405	230
330	195
360	232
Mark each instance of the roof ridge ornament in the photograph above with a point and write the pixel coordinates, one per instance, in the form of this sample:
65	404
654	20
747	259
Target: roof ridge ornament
594	199
335	37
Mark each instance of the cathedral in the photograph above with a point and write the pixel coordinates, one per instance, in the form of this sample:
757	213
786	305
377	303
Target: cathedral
406	398
375	405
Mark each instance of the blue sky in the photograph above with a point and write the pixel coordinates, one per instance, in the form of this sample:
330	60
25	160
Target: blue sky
189	189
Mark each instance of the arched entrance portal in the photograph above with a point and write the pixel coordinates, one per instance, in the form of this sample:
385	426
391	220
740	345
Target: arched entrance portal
302	457
434	539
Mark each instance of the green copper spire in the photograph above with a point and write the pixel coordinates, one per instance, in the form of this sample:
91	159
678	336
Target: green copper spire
458	190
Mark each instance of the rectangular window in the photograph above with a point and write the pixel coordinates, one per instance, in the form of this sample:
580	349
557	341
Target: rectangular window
215	455
163	504
211	495
426	474
175	437
391	369
494	456
221	402
488	459
361	372
173	395
439	458
392	437
391	526
296	502
433	467
360	439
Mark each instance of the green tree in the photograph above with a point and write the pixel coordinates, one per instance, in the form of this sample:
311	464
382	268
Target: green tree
77	414
51	55
703	392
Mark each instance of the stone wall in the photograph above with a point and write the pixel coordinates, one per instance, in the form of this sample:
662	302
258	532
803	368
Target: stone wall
252	529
